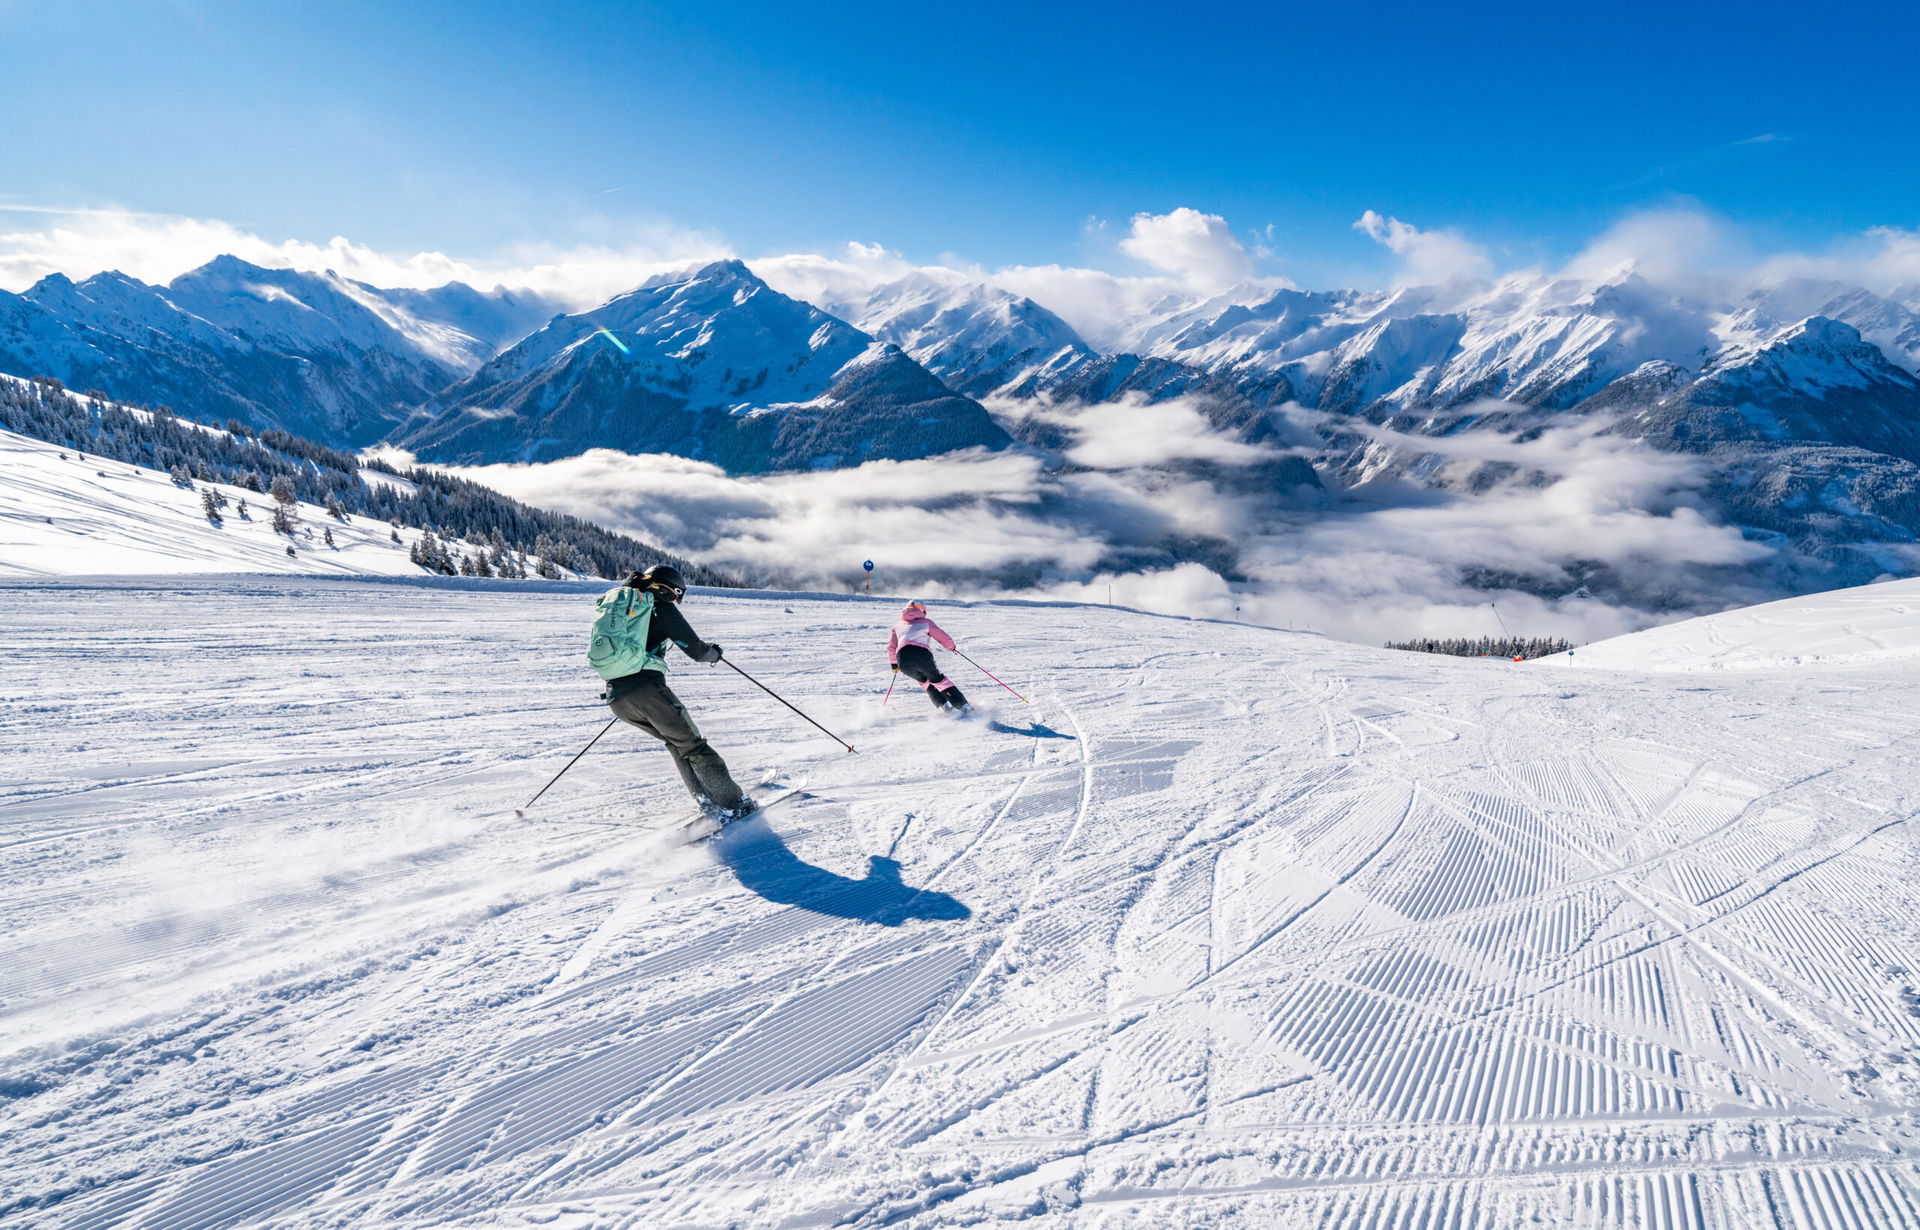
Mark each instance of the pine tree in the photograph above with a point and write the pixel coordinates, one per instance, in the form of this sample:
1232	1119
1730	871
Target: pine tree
329	535
283	522
242	510
210	504
335	508
499	560
430	553
282	489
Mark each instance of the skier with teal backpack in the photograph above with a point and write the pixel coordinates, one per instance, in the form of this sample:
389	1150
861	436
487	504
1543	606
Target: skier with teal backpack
633	625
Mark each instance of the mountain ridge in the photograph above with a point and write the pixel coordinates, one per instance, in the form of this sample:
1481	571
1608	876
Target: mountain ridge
714	365
315	354
1799	396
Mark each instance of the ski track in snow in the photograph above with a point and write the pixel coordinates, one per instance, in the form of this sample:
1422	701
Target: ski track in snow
1249	929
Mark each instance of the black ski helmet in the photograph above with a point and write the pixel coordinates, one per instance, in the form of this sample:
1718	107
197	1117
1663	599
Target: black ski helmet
660	576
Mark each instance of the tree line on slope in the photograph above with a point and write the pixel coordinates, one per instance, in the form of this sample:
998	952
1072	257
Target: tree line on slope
1481	647
448	508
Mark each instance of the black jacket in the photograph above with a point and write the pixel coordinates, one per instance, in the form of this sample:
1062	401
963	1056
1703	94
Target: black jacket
668	624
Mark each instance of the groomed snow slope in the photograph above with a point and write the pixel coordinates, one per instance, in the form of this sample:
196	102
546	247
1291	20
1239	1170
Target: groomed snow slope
1861	626
1232	927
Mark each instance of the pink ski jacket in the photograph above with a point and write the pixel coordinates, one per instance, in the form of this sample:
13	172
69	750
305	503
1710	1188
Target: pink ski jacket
914	628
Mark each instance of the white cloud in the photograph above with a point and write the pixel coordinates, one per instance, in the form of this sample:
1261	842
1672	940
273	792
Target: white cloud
1196	248
1099	305
1897	263
1426	257
159	247
1675	246
922	519
1395	563
1134	432
973	519
1184	589
843	277
1195	254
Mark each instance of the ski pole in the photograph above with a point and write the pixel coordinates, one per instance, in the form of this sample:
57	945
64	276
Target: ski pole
521	812
789	704
989	674
895	678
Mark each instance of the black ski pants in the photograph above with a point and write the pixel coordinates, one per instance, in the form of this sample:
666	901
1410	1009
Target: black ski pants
916	663
645	700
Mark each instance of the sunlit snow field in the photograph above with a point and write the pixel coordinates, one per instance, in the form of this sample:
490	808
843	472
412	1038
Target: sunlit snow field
1230	927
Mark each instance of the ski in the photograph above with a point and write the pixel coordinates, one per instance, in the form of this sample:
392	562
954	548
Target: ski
700	817
705	825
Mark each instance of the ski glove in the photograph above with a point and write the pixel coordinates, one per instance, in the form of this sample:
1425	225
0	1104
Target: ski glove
711	656
896	668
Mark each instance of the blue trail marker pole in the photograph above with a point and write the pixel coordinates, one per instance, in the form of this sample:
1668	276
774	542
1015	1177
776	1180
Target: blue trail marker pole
866	586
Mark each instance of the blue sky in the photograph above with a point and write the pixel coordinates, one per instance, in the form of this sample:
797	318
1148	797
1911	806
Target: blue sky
992	131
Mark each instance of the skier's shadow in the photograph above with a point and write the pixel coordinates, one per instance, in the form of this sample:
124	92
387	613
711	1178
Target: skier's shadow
760	860
1032	730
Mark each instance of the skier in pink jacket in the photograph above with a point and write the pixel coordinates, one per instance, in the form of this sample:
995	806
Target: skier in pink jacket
909	651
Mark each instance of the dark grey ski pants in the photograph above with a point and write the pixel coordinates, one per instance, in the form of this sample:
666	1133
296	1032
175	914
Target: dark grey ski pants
645	700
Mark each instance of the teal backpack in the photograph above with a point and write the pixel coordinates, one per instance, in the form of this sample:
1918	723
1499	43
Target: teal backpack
621	617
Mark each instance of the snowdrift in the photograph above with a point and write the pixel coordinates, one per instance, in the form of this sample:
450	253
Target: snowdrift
1847	627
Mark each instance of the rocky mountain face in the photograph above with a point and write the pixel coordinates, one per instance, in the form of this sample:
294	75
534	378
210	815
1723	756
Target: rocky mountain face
714	365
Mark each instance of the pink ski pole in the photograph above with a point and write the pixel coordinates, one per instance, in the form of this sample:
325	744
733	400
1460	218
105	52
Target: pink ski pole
989	674
889	695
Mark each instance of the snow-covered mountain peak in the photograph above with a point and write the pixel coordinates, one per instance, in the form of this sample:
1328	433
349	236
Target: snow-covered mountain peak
1630	295
1453	295
664	366
110	281
57	290
720	313
975	336
1823	331
1815	354
1753	335
704	285
284	307
51	284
